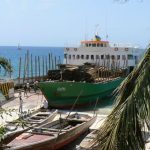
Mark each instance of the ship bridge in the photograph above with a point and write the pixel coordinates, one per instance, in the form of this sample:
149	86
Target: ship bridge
94	43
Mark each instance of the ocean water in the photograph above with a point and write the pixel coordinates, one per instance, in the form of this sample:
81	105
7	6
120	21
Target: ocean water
13	54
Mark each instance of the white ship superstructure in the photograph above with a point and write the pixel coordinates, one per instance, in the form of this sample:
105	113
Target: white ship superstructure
102	53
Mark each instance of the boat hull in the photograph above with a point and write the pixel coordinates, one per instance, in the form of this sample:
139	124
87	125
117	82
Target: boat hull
65	94
52	141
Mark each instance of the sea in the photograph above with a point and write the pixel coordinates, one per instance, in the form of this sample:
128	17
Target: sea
13	54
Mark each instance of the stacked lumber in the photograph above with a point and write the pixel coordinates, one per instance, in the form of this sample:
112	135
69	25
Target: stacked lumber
86	72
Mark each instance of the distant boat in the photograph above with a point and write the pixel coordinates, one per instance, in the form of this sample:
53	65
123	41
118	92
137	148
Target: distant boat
19	48
53	135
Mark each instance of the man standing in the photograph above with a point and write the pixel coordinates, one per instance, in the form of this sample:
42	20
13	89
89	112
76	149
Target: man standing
20	103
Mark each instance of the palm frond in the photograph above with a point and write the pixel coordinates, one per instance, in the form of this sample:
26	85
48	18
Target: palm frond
6	64
122	129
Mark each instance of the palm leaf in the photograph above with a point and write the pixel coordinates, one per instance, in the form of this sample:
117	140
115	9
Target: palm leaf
6	64
122	129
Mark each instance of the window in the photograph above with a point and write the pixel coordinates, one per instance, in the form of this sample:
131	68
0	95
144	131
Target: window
112	56
65	56
118	56
69	56
102	56
102	45
73	56
97	56
87	56
130	57
94	45
78	57
107	56
89	44
98	45
82	56
92	57
86	45
124	57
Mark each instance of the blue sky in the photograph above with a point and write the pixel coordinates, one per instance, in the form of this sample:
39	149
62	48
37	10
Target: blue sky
67	22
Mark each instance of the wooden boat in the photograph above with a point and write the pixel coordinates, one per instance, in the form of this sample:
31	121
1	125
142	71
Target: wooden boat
89	143
52	135
35	119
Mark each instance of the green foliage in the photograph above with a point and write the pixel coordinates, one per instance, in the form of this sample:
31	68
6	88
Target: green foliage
122	129
6	64
2	132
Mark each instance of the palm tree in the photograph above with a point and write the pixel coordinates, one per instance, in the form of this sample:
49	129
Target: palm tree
6	64
123	128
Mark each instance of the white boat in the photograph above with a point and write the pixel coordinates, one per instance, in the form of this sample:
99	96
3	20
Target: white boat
102	53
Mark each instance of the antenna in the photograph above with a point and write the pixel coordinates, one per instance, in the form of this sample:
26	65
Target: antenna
96	29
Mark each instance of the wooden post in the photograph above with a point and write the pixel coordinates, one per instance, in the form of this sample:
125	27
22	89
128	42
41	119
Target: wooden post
49	60
46	65
31	69
28	63
19	71
52	62
39	66
43	67
55	62
24	72
35	68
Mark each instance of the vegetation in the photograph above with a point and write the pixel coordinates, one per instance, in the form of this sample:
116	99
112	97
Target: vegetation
123	128
6	64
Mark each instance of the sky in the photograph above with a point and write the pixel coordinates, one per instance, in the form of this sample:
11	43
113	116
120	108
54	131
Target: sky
67	22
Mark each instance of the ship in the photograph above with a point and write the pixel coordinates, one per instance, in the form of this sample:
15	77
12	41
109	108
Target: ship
108	61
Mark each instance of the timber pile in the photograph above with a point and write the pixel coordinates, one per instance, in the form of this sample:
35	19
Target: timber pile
86	72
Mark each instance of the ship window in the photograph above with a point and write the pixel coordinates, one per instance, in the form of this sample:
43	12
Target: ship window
65	56
82	56
97	56
92	57
94	45
112	56
73	56
102	45
123	57
87	56
78	57
102	56
98	45
69	56
130	57
107	56
118	56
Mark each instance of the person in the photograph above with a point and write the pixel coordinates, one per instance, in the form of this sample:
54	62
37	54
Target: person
25	90
20	103
45	104
28	87
35	86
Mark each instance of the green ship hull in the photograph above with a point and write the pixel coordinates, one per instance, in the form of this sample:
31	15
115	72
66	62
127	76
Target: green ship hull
65	94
